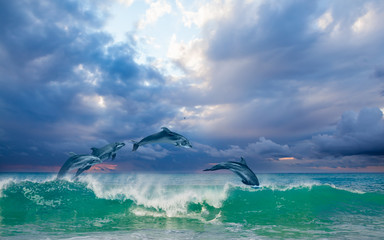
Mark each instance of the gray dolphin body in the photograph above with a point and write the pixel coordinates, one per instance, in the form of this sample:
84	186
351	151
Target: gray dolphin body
108	151
241	169
165	136
82	162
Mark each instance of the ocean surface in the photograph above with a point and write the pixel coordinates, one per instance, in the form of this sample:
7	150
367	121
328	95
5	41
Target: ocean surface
192	206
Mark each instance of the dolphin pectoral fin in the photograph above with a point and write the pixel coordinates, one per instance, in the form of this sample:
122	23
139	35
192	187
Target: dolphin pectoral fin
135	146
113	156
80	170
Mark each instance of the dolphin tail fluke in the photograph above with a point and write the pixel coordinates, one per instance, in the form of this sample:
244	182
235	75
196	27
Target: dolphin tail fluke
62	173
64	169
214	168
59	175
211	169
135	146
242	161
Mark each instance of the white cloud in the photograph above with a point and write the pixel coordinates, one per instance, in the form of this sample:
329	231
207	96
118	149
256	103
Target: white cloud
156	10
211	11
325	20
153	152
90	76
95	102
367	22
126	2
189	56
261	149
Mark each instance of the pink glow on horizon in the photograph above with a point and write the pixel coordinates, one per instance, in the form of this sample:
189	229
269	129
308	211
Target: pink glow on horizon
123	167
368	169
286	158
29	168
103	167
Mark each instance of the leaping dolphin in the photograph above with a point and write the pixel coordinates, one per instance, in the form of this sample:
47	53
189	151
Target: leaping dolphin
108	151
165	136
241	169
83	162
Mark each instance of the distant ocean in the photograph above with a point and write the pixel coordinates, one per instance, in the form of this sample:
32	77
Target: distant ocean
192	206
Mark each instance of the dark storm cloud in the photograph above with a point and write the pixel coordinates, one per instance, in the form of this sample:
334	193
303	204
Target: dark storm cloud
287	69
65	86
270	27
357	142
279	74
356	134
277	77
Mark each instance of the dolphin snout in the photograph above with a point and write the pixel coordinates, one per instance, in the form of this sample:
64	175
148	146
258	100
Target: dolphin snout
120	145
187	145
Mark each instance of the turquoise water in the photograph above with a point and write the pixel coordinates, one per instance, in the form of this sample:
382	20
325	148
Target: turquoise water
192	206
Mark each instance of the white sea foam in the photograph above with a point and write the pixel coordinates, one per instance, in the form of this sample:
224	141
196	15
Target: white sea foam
156	192
38	199
289	182
304	185
4	183
346	189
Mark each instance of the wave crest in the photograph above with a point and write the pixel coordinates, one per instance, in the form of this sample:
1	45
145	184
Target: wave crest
162	196
156	194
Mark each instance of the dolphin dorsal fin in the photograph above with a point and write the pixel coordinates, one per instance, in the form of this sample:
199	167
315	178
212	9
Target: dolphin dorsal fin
166	130
94	151
72	154
242	161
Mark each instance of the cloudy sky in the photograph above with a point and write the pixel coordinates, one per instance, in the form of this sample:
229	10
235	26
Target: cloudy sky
292	86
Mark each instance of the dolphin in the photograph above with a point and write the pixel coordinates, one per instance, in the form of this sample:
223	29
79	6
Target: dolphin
241	169
165	136
81	161
108	151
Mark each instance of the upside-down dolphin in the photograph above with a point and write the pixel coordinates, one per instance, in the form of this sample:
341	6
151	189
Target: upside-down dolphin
241	169
83	162
108	151
165	136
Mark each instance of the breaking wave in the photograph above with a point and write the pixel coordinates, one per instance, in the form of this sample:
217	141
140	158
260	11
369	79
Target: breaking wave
150	196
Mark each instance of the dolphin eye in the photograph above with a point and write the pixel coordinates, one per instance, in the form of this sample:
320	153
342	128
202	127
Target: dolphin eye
183	143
